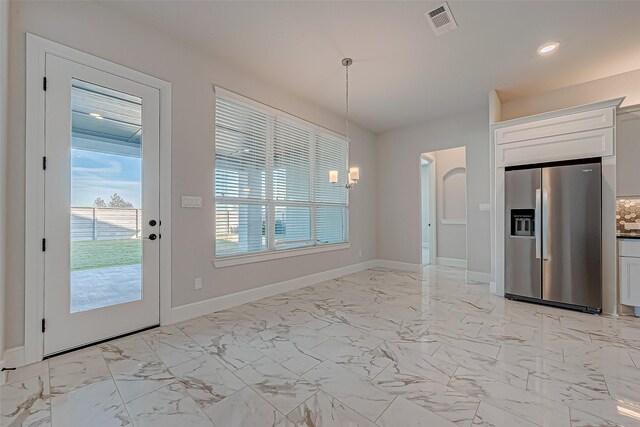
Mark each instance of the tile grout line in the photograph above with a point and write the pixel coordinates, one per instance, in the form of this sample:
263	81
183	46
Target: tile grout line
386	409
115	385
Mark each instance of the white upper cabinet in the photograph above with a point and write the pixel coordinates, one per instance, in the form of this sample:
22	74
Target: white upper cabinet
588	120
578	145
577	133
628	152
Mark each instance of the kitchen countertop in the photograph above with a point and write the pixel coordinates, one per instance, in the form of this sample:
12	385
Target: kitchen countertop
628	235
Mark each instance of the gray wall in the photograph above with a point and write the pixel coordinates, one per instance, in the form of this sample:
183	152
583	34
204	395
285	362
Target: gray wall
450	203
398	183
625	84
424	182
91	28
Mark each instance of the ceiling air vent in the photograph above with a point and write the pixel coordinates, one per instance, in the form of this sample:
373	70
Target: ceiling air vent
441	19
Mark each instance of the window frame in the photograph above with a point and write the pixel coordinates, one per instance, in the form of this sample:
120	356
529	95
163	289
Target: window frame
269	201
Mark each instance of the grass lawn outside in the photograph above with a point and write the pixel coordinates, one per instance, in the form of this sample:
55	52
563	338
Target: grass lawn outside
91	254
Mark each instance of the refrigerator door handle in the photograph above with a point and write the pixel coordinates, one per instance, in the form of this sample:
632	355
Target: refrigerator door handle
545	224
537	224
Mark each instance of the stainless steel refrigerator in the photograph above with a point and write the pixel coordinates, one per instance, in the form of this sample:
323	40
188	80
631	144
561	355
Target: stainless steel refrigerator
553	234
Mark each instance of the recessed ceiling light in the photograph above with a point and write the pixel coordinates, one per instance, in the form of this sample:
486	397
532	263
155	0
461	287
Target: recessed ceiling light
548	48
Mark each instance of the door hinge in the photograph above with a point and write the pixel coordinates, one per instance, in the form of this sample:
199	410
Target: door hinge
44	327
44	163
44	84
44	244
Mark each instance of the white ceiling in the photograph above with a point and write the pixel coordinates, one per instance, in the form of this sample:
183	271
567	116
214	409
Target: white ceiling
402	72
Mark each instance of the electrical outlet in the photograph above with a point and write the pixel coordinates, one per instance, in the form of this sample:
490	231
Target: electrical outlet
198	283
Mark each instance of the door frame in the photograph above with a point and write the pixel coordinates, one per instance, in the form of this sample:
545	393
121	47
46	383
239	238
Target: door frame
431	160
37	48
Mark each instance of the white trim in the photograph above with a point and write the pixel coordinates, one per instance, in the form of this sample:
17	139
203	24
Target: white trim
14	357
452	262
37	47
4	111
492	288
477	276
397	265
433	235
278	254
444	221
189	311
165	200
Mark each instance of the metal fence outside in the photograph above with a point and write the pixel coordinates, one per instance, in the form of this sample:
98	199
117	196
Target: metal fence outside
89	223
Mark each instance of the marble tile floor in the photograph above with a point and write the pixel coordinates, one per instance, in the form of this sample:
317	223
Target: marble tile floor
378	348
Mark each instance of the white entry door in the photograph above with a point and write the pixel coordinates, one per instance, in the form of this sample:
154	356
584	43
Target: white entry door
102	223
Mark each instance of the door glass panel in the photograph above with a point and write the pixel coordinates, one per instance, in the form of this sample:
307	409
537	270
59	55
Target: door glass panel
106	198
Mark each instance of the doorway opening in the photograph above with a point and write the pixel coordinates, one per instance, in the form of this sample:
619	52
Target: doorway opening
443	195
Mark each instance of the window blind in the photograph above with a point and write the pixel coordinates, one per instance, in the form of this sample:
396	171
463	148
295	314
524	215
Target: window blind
272	189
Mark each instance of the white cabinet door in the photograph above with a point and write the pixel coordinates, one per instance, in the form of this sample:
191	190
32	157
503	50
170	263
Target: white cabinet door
630	281
628	153
580	122
577	145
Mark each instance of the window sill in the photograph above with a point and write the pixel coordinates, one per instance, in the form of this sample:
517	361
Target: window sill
284	253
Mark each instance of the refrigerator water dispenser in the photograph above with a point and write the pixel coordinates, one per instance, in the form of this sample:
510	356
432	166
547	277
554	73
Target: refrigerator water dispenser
523	222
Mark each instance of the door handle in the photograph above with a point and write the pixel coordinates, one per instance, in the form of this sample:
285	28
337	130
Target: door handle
151	237
538	224
545	224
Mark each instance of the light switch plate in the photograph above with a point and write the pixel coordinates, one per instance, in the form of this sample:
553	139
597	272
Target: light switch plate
484	207
191	202
198	283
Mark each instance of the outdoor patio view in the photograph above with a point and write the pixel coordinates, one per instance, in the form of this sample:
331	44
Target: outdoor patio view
105	214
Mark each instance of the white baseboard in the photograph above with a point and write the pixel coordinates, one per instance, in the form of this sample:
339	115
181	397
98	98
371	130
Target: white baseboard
452	262
189	311
397	265
13	357
477	276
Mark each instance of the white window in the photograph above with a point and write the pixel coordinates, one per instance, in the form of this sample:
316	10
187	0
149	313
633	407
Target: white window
272	189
